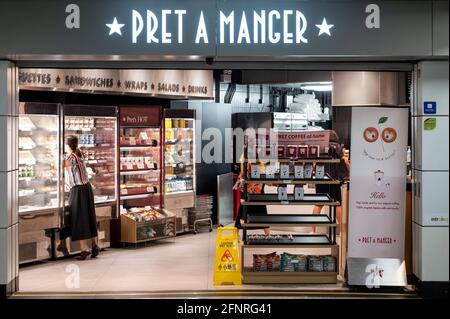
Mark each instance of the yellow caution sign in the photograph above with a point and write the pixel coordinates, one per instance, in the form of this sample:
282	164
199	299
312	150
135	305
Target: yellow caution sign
227	265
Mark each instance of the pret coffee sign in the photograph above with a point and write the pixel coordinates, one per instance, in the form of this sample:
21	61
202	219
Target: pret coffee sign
377	182
174	83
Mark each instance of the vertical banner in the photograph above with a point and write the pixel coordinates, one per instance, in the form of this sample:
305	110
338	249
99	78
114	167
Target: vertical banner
377	182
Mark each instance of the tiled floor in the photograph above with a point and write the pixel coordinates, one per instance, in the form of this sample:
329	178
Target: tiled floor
184	263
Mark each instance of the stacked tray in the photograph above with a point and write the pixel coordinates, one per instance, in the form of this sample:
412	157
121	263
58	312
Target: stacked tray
202	210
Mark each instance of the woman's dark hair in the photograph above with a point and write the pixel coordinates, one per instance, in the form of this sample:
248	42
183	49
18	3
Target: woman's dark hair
72	142
334	137
335	145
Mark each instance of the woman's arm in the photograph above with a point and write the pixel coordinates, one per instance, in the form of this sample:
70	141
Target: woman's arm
68	176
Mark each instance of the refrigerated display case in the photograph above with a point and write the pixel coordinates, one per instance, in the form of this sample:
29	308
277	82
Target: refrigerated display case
179	163
141	201
38	178
96	129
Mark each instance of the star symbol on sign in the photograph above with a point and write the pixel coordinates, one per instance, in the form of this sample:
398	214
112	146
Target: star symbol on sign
115	27
324	27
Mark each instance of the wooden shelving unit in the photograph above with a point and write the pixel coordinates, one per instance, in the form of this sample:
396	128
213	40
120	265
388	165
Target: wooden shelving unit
326	241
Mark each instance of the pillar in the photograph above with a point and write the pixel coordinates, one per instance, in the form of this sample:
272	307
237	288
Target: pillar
9	123
431	176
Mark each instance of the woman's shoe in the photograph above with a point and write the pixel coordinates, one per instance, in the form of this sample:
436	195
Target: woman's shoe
95	251
83	255
63	249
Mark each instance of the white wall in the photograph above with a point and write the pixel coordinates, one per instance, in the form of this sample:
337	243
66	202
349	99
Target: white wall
431	172
8	178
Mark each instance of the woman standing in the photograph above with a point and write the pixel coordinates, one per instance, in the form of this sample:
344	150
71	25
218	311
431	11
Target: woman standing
81	199
252	188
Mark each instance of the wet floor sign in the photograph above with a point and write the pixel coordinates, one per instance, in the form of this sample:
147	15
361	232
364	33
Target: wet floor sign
227	265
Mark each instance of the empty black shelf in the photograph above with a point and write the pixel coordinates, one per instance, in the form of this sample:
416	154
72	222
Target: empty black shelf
287	219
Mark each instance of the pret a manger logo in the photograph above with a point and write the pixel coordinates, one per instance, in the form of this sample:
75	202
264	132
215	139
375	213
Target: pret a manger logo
234	27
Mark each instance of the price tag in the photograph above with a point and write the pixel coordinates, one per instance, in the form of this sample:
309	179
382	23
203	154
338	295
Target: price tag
124	192
287	181
284	202
140	166
150	189
130	166
132	141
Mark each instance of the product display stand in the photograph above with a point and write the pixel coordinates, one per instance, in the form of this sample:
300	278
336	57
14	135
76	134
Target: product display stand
252	221
143	218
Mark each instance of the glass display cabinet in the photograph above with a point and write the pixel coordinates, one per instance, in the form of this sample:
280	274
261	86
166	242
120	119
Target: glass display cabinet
96	129
179	163
142	217
38	179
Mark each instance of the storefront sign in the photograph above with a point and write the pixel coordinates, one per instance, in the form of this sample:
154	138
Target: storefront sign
216	28
377	182
174	83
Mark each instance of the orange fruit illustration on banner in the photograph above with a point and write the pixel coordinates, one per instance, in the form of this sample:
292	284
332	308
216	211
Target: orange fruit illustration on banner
389	135
371	134
227	257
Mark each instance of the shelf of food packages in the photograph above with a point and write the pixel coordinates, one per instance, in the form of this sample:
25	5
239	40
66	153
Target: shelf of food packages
291	268
137	189
89	129
38	210
177	141
276	180
324	160
179	128
79	123
273	199
133	166
178	185
136	147
258	220
144	137
266	241
141	224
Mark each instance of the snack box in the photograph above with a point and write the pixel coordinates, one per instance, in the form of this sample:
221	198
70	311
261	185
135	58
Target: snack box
299	193
303	151
282	193
284	171
308	171
320	171
292	151
314	151
299	171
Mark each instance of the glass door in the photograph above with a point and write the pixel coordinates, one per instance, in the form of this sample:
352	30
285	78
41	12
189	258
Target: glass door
96	129
38	157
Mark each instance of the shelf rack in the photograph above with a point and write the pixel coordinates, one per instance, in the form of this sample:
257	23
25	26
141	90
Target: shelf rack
253	221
